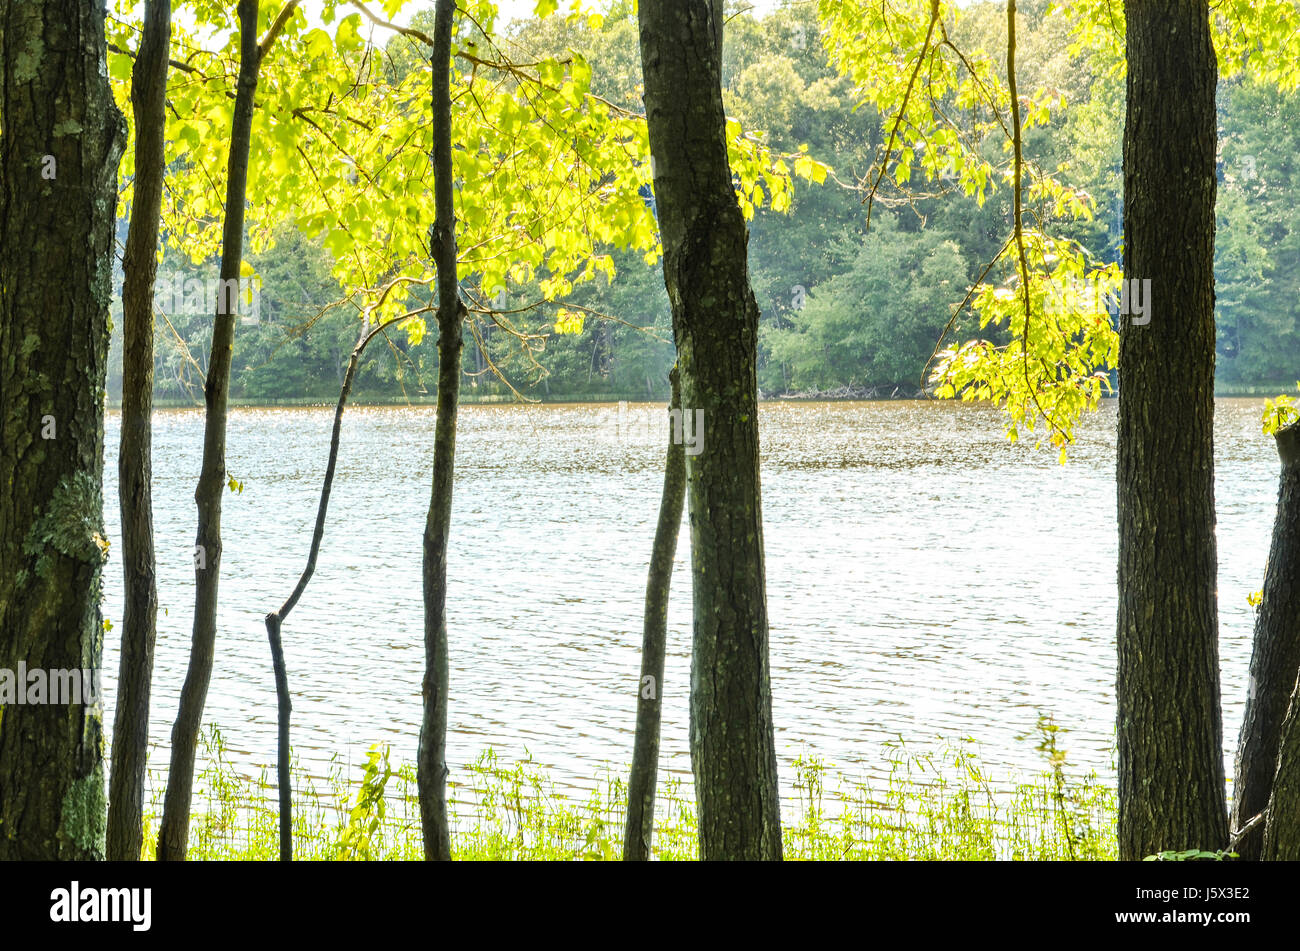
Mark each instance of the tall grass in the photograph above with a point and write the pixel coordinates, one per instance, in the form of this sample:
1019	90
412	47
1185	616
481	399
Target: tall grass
941	806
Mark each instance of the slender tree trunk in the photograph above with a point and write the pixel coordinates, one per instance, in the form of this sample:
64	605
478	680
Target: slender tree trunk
639	830
284	704
173	835
274	620
1170	733
1275	662
135	455
715	323
61	142
431	767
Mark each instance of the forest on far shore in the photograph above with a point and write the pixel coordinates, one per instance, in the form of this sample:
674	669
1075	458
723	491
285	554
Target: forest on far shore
846	310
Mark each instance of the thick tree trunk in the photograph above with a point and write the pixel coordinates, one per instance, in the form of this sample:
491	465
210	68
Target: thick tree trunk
1275	661
1171	781
431	766
173	835
715	322
639	830
1281	836
135	455
62	139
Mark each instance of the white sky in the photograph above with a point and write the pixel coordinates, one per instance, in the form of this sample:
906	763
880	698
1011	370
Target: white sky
510	9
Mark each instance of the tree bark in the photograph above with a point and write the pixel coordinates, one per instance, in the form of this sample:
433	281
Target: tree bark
431	766
715	323
1268	760
1171	779
135	454
62	139
1275	661
173	836
1281	837
639	830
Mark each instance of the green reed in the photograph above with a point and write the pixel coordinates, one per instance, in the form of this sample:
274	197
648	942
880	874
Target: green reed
930	806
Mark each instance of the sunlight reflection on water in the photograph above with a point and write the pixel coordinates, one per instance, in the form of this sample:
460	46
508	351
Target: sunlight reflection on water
926	578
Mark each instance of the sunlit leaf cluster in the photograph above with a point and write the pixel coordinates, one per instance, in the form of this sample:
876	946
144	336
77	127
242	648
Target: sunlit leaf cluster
1260	38
1280	413
939	103
943	106
948	110
549	176
1052	365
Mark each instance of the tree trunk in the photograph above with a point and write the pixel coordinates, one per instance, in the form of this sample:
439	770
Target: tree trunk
1170	733
135	455
639	830
715	323
1275	661
1268	759
62	139
1281	836
173	835
431	767
274	620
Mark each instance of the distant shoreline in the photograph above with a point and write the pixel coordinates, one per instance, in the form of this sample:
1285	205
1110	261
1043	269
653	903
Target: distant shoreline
430	399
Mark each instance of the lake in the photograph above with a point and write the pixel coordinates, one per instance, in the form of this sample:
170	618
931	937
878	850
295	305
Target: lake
927	579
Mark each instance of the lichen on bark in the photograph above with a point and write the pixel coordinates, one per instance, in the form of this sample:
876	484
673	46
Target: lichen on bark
82	814
70	525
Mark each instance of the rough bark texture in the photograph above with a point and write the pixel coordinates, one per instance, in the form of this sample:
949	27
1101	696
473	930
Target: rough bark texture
639	829
1275	661
1281	836
173	835
715	323
1171	781
62	139
135	453
431	765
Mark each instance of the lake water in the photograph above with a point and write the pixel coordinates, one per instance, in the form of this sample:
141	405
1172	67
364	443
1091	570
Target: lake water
927	579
